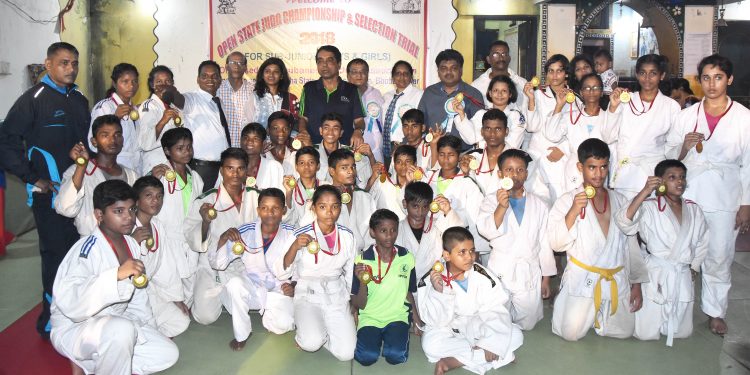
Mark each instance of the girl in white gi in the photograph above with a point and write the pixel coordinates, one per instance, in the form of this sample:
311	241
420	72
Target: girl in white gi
515	223
713	140
282	149
639	124
229	205
494	131
676	237
597	287
546	172
357	204
331	129
118	103
100	321
181	188
262	172
413	127
573	123
455	184
387	190
463	306
258	245
299	191
156	117
503	95
165	293
322	258
422	230
80	179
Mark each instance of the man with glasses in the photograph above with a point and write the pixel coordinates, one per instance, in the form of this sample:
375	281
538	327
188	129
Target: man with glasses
331	94
499	59
358	74
234	92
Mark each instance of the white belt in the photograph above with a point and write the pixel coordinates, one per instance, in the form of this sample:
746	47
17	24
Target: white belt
675	271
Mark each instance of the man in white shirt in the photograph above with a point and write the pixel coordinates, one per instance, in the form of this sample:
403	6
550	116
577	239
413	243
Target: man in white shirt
206	120
235	92
499	60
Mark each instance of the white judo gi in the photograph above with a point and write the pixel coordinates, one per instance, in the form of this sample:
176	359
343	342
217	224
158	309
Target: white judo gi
165	285
287	164
545	177
301	214
152	154
462	324
389	195
321	297
520	255
424	158
103	325
364	170
486	178
719	181
575	310
209	282
641	140
257	288
130	156
674	247
470	130
358	218
79	204
429	249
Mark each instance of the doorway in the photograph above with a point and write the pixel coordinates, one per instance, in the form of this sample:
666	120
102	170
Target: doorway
520	32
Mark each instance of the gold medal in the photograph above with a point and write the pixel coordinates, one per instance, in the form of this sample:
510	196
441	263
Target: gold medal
177	121
506	183
365	277
238	248
418	175
140	281
250	182
590	191
150	243
296	144
460	97
383	177
134	115
313	247
81	161
438	267
429	137
357	157
291	182
434	207
570	98
211	213
624	97
474	164
699	147
535	81
346	198
661	190
170	175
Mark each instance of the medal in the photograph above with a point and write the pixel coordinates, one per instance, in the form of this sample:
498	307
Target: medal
434	207
624	96
250	182
590	191
140	281
238	248
438	267
357	157
296	144
429	137
150	243
460	97
313	247
346	198
661	190
506	183
170	175
570	98
418	175
177	121
81	161
474	164
365	277
535	82
699	147
291	183
211	213
134	115
383	177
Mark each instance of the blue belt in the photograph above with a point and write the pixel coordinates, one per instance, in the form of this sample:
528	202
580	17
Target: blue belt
54	175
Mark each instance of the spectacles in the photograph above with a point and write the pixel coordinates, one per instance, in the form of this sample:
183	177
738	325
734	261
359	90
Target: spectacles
236	63
499	54
592	88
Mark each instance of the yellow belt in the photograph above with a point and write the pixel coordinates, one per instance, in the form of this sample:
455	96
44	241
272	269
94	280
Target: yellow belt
604	273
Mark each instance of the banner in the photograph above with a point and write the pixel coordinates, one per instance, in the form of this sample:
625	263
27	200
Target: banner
380	32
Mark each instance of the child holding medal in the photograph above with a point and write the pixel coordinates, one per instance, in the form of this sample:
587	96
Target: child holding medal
262	172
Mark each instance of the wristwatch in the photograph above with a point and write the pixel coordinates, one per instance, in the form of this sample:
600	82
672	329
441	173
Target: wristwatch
361	131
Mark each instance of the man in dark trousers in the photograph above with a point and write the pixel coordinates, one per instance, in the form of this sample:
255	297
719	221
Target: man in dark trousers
35	142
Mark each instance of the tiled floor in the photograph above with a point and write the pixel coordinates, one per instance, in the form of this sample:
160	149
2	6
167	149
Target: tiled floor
204	349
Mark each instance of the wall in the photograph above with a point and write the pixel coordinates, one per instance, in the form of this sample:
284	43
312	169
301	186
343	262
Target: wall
560	35
624	27
737	11
30	51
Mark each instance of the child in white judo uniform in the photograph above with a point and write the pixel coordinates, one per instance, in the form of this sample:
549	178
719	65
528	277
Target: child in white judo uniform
156	118
413	127
713	140
262	172
165	291
464	308
229	205
281	145
601	283
357	204
494	131
515	222
384	299
299	191
322	258
258	245
80	179
100	321
331	129
387	189
426	219
676	237
639	124
182	186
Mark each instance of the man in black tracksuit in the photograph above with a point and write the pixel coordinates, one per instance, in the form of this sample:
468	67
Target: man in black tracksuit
35	142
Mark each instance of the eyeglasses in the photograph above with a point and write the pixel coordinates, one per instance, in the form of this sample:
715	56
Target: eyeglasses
592	88
500	54
236	63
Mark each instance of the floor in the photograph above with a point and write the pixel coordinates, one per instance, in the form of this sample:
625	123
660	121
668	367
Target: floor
205	350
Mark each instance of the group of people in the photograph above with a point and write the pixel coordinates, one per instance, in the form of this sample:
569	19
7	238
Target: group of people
355	218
